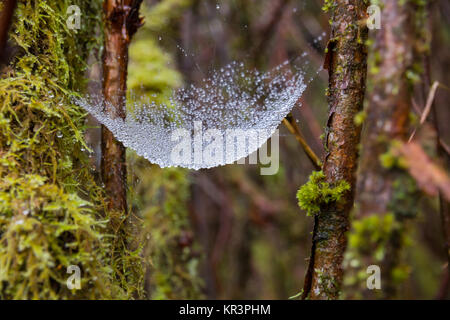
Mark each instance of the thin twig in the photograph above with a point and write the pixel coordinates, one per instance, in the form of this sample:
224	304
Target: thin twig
427	109
430	99
445	147
294	129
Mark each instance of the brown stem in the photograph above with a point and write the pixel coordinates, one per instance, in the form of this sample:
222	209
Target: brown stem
6	14
346	64
310	120
294	129
121	20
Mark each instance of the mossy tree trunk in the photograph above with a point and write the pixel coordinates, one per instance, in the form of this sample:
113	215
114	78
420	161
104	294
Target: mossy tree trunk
346	64
381	186
121	19
48	198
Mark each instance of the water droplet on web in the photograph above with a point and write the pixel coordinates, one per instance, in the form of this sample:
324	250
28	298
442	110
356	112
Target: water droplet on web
222	119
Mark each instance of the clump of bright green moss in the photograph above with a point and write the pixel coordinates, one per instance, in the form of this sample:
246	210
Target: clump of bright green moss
316	193
328	5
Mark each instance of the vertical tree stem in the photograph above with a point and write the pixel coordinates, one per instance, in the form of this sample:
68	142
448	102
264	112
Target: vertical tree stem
121	22
347	65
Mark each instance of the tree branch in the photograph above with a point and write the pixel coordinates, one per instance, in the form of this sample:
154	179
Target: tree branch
121	19
346	65
290	124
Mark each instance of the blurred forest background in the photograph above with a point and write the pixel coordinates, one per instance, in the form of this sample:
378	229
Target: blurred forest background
222	233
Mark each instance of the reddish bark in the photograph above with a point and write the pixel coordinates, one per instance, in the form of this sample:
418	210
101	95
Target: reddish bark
121	23
346	64
6	14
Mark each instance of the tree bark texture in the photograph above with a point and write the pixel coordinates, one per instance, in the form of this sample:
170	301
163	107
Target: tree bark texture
121	19
387	121
6	14
346	62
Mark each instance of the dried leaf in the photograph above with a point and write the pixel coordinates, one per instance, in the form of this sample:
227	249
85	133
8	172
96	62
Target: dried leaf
430	177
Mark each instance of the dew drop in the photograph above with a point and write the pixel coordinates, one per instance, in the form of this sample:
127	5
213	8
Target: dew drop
202	125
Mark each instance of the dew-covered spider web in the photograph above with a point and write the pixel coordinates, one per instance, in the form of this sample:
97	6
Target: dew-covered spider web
226	117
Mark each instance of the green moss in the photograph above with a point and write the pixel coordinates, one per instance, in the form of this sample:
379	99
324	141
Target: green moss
413	119
366	245
159	16
400	273
49	199
405	197
390	159
316	193
360	117
371	233
149	72
375	61
160	196
329	5
413	77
